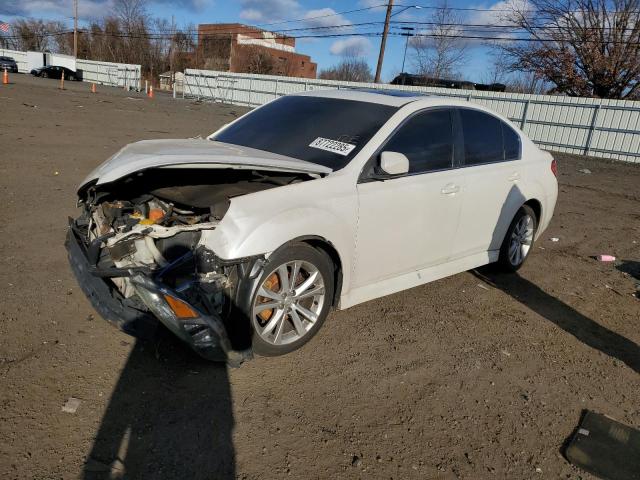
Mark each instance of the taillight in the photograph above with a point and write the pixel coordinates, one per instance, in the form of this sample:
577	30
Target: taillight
554	167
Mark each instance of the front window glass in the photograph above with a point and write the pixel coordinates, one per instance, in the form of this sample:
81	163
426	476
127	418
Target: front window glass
427	141
325	131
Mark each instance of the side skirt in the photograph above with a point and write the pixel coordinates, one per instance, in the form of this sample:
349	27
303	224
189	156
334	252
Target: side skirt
415	278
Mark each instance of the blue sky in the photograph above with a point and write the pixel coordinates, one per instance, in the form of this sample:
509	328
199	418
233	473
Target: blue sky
310	13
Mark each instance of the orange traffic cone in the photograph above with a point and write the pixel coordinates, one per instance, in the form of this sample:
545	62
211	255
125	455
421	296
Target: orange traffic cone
5	77
150	91
93	88
61	87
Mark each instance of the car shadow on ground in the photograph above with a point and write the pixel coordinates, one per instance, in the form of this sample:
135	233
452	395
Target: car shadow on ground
564	316
170	416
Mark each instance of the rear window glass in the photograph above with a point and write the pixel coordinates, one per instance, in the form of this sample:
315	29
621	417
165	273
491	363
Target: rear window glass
482	137
511	142
325	131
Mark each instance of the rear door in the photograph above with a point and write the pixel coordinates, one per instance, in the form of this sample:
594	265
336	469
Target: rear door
493	171
408	223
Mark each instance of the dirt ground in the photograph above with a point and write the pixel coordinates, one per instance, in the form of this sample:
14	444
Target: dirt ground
474	376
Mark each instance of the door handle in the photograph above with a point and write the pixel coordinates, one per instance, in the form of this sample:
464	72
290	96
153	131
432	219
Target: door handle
513	177
450	189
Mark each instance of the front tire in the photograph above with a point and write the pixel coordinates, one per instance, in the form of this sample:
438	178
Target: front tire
292	299
518	241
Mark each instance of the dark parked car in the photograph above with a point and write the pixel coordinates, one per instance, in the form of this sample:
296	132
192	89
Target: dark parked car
9	63
55	71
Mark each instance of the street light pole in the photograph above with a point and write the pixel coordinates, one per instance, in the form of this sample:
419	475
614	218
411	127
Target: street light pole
406	44
75	28
383	43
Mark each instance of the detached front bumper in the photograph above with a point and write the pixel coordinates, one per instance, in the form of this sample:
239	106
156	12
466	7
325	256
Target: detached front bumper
204	333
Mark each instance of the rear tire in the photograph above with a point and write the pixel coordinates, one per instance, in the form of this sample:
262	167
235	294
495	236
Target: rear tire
291	300
518	241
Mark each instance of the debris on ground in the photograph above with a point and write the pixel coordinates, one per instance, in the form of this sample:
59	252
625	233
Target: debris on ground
72	405
482	286
605	447
606	258
586	171
554	239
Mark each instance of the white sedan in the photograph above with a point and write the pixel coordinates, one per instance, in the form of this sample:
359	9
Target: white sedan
244	241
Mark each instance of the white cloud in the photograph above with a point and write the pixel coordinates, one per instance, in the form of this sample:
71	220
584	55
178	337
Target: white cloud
328	20
87	9
354	46
269	10
498	14
379	4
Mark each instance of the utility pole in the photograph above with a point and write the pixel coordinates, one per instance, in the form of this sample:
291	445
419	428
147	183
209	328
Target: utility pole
384	41
75	28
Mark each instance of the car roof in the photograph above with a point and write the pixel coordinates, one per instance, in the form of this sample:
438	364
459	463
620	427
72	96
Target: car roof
386	96
399	98
392	97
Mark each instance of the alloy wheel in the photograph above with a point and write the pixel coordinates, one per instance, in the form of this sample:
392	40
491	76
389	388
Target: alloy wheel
288	302
521	240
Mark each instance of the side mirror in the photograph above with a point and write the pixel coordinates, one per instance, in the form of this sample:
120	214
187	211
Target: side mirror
394	163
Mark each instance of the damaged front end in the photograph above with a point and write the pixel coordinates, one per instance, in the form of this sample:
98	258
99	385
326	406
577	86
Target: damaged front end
137	255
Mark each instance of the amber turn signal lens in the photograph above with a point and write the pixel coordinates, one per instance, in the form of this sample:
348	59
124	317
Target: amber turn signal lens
180	308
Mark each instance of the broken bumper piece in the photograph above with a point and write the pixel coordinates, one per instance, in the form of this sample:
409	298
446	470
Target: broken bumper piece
204	333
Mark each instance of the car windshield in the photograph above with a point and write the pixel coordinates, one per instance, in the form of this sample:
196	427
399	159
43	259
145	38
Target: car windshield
325	131
6	59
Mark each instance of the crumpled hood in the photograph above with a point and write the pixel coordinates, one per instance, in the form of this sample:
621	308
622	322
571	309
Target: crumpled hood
189	153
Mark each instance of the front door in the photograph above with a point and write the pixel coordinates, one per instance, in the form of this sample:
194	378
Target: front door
410	222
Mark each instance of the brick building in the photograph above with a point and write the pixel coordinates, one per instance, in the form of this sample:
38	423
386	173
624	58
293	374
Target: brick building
233	47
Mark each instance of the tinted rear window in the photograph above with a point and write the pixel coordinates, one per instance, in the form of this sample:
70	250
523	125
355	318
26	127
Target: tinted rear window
289	125
482	137
511	142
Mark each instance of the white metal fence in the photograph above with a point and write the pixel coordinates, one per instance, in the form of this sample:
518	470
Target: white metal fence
105	73
19	57
586	126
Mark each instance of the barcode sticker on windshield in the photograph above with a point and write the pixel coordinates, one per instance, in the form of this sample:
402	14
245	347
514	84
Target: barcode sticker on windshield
332	146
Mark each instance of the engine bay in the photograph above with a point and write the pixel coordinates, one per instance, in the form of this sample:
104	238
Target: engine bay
149	225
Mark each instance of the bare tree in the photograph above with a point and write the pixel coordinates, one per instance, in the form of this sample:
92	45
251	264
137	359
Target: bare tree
253	59
500	71
351	69
437	52
583	47
184	44
31	34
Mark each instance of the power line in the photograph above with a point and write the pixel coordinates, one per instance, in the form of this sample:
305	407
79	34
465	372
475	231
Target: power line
351	34
511	10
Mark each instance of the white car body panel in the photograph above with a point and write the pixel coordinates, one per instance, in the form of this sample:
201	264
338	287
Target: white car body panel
199	153
409	245
385	240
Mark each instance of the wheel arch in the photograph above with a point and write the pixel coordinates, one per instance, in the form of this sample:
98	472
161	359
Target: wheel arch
536	206
326	246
